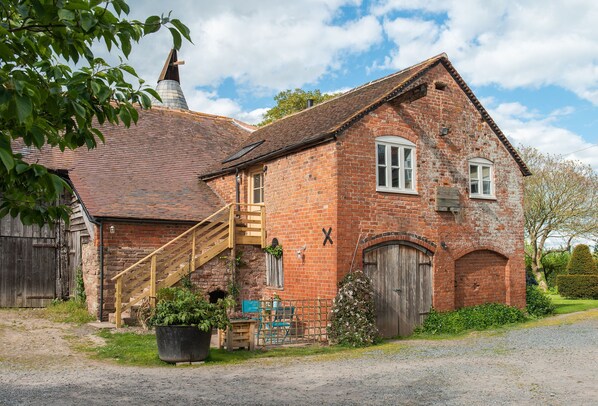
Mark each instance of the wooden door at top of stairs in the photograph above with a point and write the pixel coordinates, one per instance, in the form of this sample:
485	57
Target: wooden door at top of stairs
401	275
256	196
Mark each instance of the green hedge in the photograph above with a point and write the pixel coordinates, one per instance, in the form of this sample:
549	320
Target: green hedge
538	303
479	317
581	262
578	286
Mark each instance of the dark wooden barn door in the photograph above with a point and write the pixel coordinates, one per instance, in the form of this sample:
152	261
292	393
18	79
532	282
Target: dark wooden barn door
401	275
28	263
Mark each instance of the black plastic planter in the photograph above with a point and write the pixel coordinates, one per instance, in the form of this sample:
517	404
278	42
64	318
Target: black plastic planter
182	343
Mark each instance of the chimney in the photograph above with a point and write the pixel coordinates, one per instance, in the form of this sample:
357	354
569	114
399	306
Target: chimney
310	103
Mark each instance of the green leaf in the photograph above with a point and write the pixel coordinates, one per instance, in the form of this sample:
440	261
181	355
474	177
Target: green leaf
125	116
153	93
7	159
183	29
79	109
129	69
65	14
176	37
24	107
58	183
88	22
152	24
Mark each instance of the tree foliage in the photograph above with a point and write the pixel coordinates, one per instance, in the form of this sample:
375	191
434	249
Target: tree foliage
292	101
561	200
581	262
45	101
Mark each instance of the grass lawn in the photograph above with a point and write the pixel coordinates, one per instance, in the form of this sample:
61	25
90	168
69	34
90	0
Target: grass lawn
564	306
142	350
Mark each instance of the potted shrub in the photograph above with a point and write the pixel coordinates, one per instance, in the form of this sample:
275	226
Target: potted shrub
183	320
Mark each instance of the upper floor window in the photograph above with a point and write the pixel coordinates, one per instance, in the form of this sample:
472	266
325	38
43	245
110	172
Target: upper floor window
395	165
481	178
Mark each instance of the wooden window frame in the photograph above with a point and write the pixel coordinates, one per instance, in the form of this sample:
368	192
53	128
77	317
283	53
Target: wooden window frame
401	144
480	164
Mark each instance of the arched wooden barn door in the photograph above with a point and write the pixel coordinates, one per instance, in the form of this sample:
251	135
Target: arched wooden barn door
401	274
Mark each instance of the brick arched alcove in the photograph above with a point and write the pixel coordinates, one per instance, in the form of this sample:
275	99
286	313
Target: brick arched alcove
480	277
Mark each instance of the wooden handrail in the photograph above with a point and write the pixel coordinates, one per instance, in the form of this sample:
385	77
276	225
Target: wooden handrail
119	275
208	238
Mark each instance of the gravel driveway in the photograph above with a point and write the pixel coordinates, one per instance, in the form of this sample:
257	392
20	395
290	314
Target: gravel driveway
553	363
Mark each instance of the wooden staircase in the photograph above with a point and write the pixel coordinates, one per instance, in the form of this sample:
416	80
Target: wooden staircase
238	223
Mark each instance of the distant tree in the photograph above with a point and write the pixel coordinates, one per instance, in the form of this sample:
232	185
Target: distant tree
44	100
581	262
292	101
561	200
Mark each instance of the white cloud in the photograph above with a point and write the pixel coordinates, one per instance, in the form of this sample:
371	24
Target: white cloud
527	127
529	44
269	45
209	102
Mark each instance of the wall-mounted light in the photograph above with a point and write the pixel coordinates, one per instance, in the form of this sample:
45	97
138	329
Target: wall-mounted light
444	131
112	229
443	245
301	253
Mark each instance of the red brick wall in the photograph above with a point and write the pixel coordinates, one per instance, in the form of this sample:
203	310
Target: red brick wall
334	185
480	278
131	242
441	161
300	194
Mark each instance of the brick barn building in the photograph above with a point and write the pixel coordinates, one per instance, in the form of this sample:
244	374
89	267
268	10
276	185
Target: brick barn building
406	177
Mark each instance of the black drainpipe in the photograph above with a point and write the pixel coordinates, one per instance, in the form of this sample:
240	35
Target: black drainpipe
101	270
237	187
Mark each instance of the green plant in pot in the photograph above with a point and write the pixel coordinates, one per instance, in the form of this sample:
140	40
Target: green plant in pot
184	320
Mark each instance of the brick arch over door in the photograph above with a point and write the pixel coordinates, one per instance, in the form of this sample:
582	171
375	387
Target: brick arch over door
480	277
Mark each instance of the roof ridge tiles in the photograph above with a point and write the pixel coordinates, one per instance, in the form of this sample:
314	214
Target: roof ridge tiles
361	87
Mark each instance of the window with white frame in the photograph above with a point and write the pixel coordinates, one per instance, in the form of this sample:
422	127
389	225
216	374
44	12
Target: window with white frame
395	165
481	178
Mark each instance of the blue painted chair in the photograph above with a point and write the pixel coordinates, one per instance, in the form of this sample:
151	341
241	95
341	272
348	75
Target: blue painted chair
281	324
251	306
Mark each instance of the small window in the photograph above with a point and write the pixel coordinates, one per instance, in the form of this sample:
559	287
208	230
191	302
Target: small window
257	188
274	271
395	165
481	178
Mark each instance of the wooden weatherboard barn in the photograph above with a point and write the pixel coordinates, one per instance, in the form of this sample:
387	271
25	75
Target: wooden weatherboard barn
406	177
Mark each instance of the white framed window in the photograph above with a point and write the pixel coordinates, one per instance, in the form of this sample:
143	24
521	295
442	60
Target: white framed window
481	178
395	165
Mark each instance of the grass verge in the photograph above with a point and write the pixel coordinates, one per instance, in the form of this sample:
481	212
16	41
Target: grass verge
70	311
564	306
142	350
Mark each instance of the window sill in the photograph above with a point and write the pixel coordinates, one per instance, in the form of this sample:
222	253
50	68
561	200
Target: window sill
397	191
482	197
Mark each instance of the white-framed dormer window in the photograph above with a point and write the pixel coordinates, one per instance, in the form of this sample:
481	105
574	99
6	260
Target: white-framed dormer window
481	178
395	165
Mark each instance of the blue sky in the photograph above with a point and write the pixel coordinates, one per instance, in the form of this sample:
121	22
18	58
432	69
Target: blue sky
533	64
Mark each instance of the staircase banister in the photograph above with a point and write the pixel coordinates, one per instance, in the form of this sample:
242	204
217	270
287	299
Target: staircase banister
157	251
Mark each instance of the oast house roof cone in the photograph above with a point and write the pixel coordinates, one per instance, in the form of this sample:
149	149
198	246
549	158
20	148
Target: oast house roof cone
169	85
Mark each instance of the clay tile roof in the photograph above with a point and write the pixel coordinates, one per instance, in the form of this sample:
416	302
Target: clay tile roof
150	170
324	121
